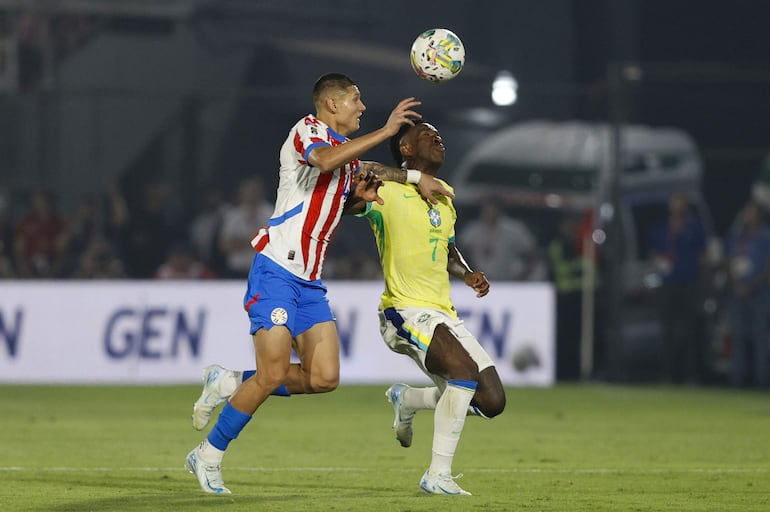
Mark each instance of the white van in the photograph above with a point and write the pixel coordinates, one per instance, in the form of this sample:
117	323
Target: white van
540	170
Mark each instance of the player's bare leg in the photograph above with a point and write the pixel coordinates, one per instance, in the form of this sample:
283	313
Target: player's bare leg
273	355
318	349
273	352
318	346
489	400
318	372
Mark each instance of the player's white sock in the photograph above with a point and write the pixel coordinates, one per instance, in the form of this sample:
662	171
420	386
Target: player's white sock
209	453
427	398
421	398
448	423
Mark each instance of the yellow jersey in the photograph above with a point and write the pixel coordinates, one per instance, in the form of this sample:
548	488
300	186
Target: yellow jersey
413	238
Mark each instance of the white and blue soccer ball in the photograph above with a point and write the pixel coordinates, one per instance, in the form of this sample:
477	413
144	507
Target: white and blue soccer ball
437	55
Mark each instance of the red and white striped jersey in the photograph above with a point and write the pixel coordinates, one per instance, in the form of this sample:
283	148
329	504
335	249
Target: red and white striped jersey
309	203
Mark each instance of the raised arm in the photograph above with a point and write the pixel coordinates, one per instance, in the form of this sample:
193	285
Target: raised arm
427	185
327	158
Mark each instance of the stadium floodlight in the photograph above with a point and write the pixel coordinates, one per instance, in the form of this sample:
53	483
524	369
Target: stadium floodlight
504	89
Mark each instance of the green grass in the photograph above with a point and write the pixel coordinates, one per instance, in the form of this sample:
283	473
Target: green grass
591	448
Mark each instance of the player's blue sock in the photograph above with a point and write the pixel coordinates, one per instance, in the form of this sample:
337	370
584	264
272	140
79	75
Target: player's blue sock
229	424
280	391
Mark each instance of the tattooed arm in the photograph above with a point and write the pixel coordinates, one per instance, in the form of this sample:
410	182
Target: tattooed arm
428	185
384	172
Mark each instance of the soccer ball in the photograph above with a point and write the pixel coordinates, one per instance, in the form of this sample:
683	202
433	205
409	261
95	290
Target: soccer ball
437	55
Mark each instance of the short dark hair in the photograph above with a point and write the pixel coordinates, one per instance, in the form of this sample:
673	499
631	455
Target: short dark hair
395	141
330	81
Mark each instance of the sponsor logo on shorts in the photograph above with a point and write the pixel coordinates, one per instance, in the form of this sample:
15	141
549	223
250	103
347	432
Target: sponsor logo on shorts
279	316
423	318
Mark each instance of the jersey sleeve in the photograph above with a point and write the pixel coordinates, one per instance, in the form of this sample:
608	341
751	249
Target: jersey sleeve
308	137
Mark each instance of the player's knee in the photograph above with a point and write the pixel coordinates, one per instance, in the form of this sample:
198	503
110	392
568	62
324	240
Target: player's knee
271	378
324	383
489	405
495	408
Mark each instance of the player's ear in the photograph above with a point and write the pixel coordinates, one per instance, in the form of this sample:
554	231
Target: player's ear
406	150
331	104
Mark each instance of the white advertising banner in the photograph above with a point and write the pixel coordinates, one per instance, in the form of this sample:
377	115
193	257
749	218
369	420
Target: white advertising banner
145	332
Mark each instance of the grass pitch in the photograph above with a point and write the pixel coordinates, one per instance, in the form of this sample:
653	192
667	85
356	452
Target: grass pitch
570	448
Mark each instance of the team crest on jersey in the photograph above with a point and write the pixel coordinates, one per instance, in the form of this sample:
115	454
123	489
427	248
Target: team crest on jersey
435	217
279	316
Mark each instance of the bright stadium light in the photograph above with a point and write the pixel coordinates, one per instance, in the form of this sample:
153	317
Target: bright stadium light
504	89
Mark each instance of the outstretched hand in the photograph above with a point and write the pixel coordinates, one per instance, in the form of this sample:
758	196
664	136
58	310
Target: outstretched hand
402	114
430	187
477	281
365	187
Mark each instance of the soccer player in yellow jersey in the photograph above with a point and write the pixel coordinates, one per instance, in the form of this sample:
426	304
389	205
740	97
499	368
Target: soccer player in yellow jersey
416	241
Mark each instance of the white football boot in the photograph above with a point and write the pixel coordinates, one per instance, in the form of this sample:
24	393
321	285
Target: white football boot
442	484
402	423
209	475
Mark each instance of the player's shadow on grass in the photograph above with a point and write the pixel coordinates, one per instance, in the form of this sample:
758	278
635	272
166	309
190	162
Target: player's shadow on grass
179	492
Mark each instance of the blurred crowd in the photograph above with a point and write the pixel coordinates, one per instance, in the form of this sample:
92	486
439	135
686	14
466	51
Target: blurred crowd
149	236
153	235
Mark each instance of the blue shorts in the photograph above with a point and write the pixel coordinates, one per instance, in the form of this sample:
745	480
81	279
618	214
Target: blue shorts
275	296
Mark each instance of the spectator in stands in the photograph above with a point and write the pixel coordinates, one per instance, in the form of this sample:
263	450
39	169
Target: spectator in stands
567	267
358	265
206	225
152	225
83	228
40	238
678	250
748	253
182	264
98	261
504	247
116	219
6	235
353	254
239	226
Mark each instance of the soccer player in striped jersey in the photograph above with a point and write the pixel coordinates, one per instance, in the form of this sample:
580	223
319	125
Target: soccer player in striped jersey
416	242
320	177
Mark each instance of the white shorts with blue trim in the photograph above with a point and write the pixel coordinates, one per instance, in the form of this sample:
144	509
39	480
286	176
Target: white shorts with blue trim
409	331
